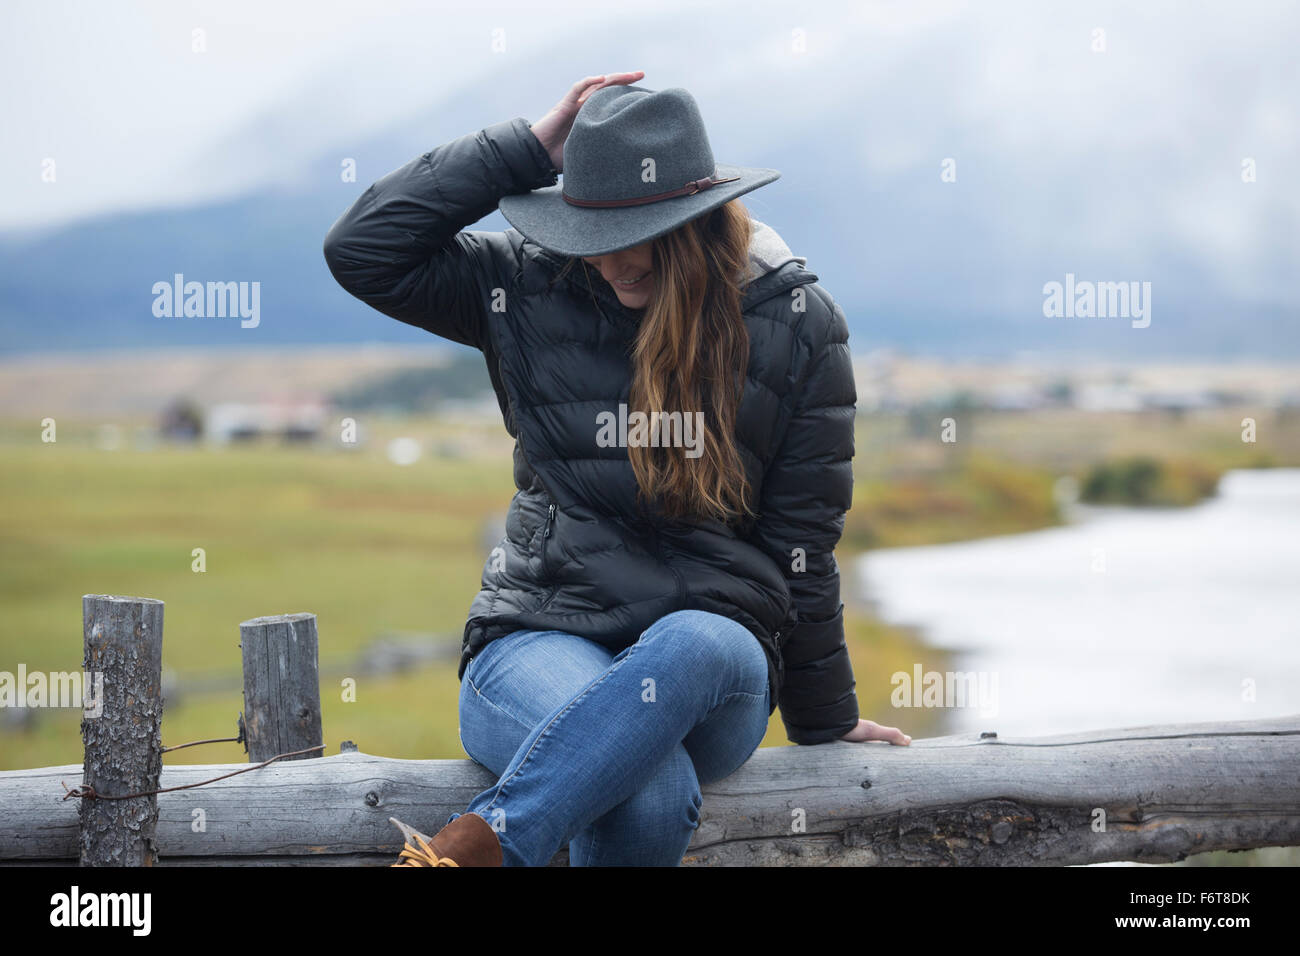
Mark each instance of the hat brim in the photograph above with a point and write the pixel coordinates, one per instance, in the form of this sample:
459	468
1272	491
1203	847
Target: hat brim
543	216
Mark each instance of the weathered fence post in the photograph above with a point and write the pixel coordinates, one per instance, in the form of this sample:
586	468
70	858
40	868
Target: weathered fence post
281	685
122	638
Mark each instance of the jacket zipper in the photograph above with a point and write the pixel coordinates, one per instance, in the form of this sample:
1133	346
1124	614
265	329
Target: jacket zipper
546	534
550	524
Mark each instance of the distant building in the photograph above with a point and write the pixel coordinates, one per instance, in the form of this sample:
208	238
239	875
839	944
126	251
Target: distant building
1016	397
1107	398
1178	401
294	420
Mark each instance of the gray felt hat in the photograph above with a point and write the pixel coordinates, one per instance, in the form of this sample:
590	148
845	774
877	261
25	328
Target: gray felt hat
637	164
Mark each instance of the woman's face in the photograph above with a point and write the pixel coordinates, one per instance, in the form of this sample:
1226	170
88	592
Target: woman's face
633	264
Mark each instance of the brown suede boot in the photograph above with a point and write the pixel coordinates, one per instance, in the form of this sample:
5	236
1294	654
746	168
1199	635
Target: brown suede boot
469	840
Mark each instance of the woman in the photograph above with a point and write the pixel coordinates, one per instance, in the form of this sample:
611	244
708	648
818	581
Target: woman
682	399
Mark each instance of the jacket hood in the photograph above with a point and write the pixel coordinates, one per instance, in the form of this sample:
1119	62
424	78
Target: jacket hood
773	269
768	252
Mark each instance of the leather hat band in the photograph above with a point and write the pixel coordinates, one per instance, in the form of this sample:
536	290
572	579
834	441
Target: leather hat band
690	189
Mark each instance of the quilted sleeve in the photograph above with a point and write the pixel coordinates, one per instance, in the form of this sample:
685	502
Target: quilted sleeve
400	248
806	492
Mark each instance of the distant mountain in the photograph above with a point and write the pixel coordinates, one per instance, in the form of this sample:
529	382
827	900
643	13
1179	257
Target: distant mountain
909	271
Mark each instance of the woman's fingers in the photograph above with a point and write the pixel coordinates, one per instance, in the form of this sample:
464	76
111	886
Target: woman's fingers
870	730
608	79
581	86
553	128
891	734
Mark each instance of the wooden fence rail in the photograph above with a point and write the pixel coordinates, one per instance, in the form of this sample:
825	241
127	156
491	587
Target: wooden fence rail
1150	794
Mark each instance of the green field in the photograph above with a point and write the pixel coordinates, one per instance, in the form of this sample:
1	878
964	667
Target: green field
367	546
372	547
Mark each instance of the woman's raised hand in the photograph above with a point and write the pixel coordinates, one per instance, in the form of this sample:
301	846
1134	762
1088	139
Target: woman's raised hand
553	128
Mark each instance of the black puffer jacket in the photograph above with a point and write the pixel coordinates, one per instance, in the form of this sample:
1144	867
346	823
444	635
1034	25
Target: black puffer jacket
579	555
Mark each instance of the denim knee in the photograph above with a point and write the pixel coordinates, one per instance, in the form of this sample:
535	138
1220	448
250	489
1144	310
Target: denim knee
716	643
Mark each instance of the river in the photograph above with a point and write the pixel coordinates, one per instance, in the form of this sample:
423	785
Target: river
1125	617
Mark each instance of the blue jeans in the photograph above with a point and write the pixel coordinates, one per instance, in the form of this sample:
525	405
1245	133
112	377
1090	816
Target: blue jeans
606	752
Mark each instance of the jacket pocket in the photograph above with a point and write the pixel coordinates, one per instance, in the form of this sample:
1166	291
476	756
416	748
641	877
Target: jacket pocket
547	597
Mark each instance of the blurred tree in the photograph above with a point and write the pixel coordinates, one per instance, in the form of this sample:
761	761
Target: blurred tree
181	420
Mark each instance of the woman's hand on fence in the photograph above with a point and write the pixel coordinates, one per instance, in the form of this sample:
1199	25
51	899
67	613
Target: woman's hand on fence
870	730
553	128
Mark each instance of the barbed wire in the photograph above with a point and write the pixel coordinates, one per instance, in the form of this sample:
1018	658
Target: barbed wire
213	740
87	792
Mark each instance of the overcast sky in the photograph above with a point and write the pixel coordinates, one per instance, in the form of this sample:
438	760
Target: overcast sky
132	116
116	95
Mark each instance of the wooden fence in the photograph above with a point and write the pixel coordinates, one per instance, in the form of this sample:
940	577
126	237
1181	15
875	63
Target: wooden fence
1150	794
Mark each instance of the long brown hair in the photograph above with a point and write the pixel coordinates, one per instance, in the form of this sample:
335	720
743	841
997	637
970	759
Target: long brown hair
691	355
